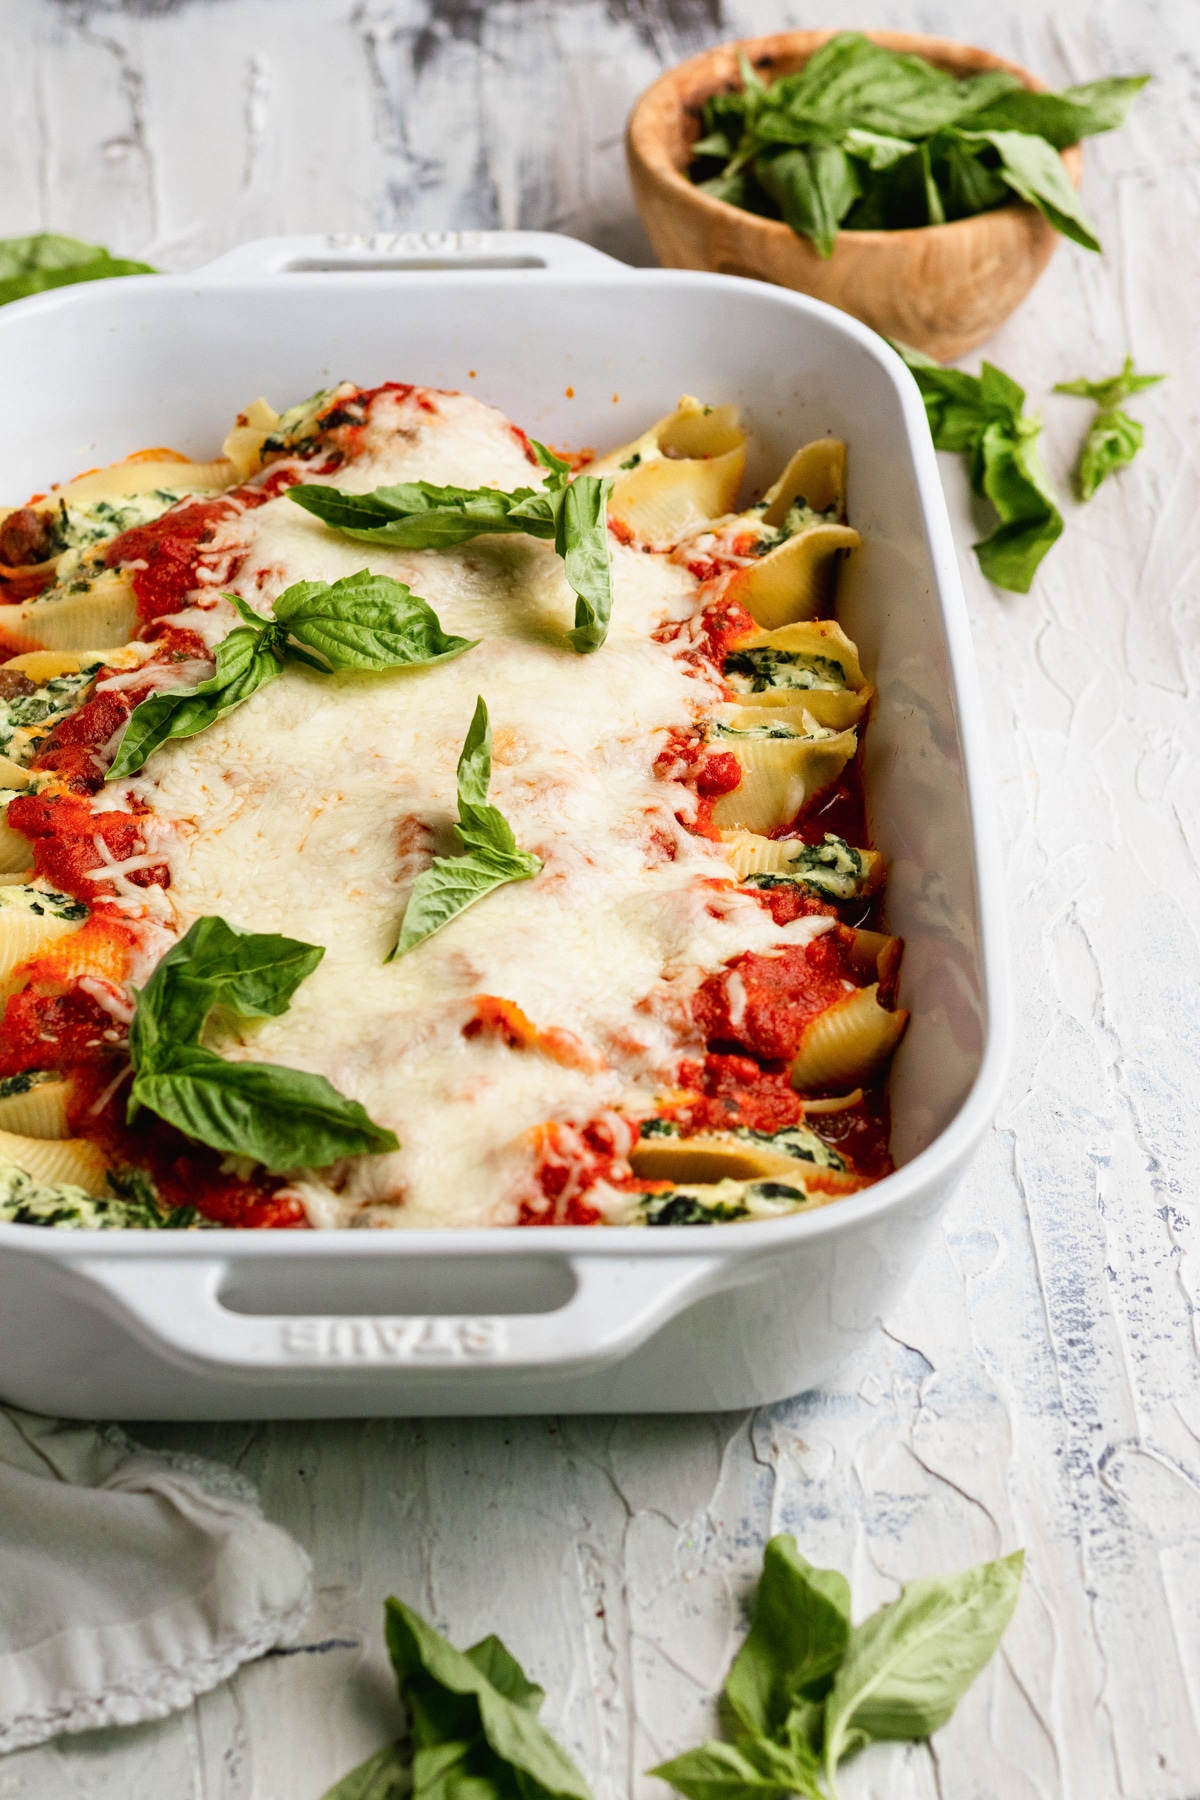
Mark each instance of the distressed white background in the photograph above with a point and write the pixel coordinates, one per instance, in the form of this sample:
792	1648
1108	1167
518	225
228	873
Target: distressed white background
1039	1384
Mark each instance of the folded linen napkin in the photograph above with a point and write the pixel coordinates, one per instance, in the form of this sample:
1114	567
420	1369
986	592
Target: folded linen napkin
130	1581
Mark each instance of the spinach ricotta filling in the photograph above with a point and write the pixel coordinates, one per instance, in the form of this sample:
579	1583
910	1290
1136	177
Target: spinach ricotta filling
833	870
30	710
131	1206
80	527
766	668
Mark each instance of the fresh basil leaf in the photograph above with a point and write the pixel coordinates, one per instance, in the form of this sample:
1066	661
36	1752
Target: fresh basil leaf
418	516
253	974
967	185
244	664
1034	170
474	774
385	1776
581	539
1107	101
797	1639
959	406
1064	118
983	417
31	265
1113	389
854	98
490	856
752	82
367	621
908	1665
505	1673
1113	439
733	189
876	150
449	886
760	1771
814	189
534	1764
441	1770
283	1118
1016	483
853	82
558	470
715	144
1112	442
934	211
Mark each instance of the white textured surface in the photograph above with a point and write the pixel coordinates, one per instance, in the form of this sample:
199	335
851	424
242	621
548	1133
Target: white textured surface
1039	1385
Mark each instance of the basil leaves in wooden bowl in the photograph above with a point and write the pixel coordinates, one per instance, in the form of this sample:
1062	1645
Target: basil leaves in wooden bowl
919	184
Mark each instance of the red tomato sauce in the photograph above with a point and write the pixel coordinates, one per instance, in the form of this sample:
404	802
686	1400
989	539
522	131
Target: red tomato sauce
184	1173
43	1029
63	829
760	1005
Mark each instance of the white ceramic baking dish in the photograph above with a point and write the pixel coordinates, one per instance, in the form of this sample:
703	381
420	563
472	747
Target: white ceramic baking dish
580	350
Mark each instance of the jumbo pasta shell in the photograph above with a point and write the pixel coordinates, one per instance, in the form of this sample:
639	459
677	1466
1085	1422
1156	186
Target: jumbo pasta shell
848	1042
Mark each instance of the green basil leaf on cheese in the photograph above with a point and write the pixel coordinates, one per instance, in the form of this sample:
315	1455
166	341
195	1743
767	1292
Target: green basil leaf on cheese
452	884
363	621
244	664
416	515
490	858
366	621
797	1639
581	539
474	1719
908	1665
558	472
253	974
283	1118
31	265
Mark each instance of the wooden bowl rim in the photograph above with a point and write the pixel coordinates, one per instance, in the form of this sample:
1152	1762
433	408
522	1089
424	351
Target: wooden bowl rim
646	144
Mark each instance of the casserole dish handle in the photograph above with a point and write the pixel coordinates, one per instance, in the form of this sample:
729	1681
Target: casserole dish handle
410	251
176	1307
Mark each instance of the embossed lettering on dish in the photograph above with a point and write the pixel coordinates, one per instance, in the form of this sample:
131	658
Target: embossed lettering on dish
393	1340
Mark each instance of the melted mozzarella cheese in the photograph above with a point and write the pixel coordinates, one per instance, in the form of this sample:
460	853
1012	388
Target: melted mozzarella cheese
311	809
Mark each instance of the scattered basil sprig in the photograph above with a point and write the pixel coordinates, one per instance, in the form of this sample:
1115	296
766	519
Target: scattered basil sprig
30	265
474	1732
283	1118
808	1689
363	621
1113	438
417	515
490	855
982	416
865	139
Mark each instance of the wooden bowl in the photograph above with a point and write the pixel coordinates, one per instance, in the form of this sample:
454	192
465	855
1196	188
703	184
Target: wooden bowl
941	288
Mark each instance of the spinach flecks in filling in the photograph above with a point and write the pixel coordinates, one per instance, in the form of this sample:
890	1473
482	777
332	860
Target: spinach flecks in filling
833	870
79	527
133	1205
759	670
48	703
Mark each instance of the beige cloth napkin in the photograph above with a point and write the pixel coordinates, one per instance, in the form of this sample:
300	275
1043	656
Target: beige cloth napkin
130	1581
